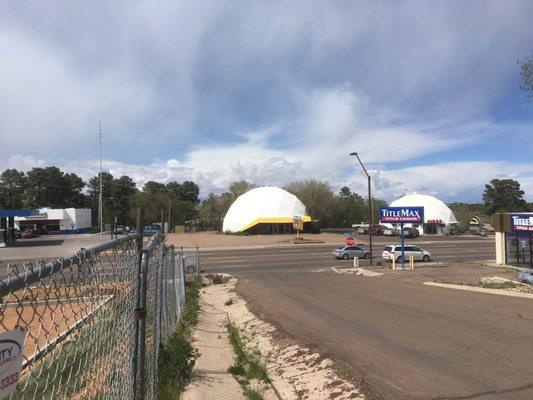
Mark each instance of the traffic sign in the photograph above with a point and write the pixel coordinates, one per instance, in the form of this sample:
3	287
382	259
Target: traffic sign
350	241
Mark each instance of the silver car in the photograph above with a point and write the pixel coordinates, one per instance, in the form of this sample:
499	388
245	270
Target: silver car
350	252
391	252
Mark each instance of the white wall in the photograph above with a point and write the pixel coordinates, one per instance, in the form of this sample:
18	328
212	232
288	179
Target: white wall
83	218
69	218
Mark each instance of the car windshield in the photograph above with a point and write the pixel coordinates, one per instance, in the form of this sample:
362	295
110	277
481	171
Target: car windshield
387	248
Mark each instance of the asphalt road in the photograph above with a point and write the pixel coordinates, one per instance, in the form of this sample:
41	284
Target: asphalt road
407	340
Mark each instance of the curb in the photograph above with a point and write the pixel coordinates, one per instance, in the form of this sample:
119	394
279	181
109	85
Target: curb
500	292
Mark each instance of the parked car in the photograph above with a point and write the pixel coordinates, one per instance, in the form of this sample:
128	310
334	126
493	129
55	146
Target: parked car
391	252
27	234
391	232
152	229
350	252
411	233
377	230
120	229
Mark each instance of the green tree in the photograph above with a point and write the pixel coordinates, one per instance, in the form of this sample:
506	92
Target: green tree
317	197
152	202
50	187
93	187
153	187
122	191
184	199
349	208
210	213
186	191
238	188
12	185
464	211
74	196
503	195
214	209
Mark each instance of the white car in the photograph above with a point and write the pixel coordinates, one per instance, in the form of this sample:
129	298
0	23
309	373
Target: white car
391	252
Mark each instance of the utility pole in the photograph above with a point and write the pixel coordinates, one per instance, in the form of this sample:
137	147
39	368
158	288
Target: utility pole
100	199
370	208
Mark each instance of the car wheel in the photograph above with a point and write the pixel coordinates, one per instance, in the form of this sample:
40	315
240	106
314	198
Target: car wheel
399	259
425	258
345	256
367	255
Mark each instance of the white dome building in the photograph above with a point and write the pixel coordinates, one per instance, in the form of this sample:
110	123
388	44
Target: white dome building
264	210
437	216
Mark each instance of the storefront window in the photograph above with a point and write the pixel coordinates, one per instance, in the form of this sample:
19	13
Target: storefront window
519	249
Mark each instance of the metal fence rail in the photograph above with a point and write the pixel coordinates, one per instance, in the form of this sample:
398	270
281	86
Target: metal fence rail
95	320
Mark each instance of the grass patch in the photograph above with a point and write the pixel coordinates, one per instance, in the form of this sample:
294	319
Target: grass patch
252	394
344	373
247	366
177	357
228	302
255	312
495	285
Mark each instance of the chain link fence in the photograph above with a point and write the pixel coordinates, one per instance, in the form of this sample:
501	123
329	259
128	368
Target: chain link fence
191	259
95	320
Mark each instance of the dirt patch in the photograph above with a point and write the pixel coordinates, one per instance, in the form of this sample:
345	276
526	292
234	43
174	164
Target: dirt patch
355	271
212	240
296	371
45	323
300	241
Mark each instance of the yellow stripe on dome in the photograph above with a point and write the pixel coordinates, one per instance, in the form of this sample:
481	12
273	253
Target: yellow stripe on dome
274	220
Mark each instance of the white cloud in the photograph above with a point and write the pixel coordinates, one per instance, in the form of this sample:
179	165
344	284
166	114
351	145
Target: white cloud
457	181
452	181
270	92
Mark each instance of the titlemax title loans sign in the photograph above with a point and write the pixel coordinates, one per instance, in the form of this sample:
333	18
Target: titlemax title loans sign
396	215
522	223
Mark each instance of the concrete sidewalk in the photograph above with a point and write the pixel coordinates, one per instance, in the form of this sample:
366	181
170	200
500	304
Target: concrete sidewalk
211	379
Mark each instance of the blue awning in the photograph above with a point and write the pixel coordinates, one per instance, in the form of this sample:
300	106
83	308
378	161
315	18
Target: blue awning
17	213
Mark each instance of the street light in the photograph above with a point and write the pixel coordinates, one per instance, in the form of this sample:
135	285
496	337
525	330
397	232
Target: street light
370	209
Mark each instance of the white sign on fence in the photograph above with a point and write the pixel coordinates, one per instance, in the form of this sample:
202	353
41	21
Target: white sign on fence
11	345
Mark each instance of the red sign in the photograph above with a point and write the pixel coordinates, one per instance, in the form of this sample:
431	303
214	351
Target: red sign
350	241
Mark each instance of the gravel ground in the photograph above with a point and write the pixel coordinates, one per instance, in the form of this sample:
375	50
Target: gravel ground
220	240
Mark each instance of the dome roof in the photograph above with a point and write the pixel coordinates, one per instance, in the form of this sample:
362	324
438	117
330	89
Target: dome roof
263	205
434	209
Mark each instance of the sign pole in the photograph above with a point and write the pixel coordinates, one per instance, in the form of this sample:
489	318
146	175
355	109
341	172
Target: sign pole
402	241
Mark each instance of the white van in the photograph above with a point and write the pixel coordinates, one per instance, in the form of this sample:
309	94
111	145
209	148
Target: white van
391	252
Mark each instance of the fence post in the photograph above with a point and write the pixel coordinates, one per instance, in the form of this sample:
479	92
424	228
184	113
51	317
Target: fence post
162	292
141	316
137	294
176	280
198	260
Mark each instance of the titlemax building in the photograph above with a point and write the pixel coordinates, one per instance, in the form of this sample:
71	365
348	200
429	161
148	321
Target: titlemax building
514	239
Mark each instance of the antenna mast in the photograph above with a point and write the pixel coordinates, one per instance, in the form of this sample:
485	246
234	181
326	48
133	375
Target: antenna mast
100	204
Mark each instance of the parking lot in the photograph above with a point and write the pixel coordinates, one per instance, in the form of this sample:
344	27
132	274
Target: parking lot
407	340
47	247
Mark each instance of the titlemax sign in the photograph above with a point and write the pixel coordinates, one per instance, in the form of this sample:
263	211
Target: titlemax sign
522	222
414	215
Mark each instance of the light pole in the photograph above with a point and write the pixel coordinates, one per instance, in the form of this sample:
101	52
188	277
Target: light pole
370	209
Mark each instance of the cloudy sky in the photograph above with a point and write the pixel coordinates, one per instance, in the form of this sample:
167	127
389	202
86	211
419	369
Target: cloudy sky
428	92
